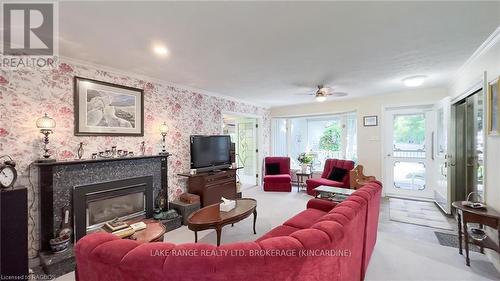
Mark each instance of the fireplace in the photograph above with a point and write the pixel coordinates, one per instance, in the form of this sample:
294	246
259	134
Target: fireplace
58	180
97	203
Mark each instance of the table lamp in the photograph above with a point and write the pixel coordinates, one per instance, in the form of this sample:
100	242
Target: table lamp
46	124
163	132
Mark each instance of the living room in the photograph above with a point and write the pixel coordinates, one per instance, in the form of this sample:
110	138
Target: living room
259	140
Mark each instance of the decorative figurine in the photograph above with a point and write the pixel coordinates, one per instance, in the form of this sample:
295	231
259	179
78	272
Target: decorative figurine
143	148
80	150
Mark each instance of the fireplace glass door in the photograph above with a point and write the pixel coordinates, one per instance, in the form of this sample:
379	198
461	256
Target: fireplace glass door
106	209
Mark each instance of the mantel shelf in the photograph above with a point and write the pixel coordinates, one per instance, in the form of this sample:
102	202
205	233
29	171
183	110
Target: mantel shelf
98	160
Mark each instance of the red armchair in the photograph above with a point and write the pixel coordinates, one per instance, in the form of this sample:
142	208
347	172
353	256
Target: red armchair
282	180
329	165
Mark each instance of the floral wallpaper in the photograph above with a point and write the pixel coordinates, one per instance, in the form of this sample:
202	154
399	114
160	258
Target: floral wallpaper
26	94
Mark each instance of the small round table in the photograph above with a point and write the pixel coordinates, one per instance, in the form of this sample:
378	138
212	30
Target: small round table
153	232
301	178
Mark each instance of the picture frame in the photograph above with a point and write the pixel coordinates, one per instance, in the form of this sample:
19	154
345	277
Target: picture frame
370	121
107	109
493	108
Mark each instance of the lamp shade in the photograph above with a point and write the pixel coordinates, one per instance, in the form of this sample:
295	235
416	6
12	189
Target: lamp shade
163	128
45	123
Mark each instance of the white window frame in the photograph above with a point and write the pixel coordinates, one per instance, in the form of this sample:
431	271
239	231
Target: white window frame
289	143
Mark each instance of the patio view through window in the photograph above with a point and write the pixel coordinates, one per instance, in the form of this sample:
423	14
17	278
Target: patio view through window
409	145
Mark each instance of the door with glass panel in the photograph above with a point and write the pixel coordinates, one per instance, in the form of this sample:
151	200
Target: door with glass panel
466	151
246	150
408	141
243	132
441	157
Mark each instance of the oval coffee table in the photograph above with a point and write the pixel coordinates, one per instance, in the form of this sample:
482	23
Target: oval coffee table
211	217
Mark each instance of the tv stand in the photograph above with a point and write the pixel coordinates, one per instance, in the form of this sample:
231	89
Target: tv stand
213	172
213	185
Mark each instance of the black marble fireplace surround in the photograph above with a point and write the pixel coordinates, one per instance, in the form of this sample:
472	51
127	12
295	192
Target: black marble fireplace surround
56	181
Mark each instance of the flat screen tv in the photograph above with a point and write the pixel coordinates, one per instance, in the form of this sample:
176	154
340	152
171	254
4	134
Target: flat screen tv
210	152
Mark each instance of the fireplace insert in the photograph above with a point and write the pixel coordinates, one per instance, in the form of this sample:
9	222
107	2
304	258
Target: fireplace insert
96	204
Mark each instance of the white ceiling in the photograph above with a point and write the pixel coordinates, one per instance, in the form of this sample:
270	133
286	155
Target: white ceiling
266	52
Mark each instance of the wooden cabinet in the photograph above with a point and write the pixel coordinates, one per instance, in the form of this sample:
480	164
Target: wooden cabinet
211	186
13	234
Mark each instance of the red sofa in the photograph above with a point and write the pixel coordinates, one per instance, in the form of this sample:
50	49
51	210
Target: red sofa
324	242
323	180
282	181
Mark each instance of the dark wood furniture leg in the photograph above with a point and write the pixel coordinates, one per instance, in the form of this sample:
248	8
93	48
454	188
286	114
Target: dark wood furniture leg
459	220
196	237
481	248
484	216
466	242
218	229
254	220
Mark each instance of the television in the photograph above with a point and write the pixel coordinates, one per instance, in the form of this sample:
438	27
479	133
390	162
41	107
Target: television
210	152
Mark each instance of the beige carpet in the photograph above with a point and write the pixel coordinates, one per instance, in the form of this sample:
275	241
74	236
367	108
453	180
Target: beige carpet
419	213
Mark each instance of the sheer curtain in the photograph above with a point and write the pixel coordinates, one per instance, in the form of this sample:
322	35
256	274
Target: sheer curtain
326	136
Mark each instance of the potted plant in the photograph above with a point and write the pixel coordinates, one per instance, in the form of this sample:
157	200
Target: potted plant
305	160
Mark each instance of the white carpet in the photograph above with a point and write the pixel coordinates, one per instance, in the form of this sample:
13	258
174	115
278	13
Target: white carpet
403	251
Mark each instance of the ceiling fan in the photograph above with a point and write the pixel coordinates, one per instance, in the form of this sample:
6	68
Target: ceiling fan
322	92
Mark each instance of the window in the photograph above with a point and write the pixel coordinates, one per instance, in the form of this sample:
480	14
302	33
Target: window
332	136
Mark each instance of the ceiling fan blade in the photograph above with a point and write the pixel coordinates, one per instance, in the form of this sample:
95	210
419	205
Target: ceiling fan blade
304	94
338	94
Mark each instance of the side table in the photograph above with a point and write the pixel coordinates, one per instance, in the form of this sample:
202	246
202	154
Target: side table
301	178
486	216
184	209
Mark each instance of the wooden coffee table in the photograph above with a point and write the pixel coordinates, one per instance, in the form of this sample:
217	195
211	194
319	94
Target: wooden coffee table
153	232
211	217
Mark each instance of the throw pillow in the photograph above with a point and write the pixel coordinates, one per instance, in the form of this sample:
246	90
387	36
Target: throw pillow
337	174
273	169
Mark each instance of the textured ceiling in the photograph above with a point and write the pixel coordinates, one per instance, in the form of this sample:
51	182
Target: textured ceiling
266	52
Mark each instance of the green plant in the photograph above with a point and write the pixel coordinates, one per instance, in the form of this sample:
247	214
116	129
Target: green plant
409	129
305	158
330	139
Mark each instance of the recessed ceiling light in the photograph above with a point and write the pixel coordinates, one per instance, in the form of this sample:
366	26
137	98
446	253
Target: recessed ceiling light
160	50
414	81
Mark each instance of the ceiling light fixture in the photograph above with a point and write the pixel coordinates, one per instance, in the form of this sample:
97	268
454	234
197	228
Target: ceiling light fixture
320	98
160	50
414	81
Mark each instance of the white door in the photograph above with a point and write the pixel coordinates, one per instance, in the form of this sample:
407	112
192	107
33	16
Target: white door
408	142
442	188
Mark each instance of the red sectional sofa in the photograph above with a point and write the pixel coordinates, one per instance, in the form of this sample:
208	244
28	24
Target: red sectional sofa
327	241
283	180
323	180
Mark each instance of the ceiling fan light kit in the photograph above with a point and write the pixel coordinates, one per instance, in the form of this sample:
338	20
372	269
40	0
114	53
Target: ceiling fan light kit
320	98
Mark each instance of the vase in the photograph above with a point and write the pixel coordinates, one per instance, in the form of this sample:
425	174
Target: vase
305	168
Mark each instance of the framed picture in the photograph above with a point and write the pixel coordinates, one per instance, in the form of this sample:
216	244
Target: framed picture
370	121
105	109
493	108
